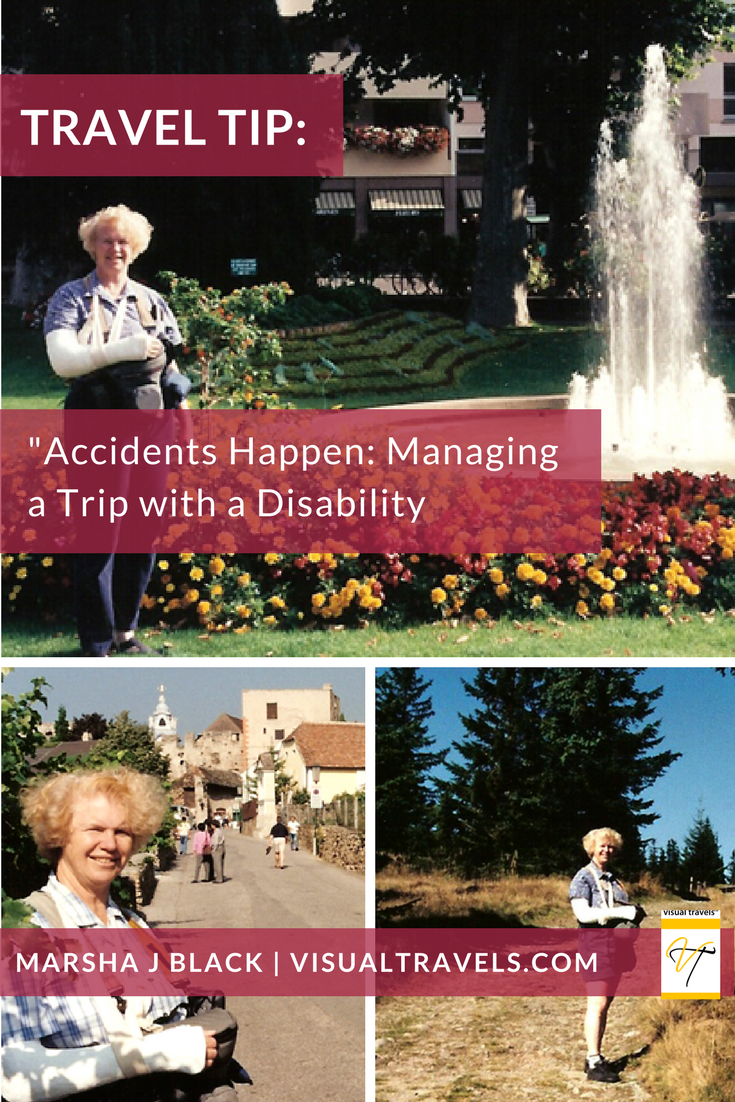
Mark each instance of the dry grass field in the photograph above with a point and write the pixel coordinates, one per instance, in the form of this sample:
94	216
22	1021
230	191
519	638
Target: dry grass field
488	1049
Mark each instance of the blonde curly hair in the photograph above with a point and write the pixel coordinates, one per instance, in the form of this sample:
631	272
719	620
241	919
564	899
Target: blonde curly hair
50	802
591	839
136	226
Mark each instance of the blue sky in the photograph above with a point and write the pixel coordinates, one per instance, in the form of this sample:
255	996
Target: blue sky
697	713
195	695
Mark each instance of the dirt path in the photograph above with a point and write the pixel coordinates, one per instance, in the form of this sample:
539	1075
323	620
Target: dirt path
485	1049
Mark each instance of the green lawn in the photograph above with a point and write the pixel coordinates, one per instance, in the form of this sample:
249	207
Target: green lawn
622	637
384	360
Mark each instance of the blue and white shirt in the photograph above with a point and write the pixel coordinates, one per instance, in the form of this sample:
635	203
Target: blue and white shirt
71	1021
71	305
599	889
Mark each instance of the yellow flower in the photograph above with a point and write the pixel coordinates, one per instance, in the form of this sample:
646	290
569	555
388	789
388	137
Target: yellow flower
22	573
537	601
496	575
480	614
170	587
524	572
582	609
215	591
216	565
243	580
277	602
653	587
665	610
539	577
196	573
607	602
449	581
619	574
185	557
48	561
270	620
502	590
203	608
271	558
318	599
438	596
162	564
313	556
7	560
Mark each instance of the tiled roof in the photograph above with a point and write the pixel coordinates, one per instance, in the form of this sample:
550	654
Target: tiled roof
74	749
331	745
224	722
223	778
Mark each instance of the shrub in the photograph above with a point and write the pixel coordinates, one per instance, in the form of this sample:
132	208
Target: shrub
228	353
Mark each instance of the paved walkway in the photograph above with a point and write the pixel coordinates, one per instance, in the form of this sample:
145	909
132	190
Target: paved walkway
289	1045
307	893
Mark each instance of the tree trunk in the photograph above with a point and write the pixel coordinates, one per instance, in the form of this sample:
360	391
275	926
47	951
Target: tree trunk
499	286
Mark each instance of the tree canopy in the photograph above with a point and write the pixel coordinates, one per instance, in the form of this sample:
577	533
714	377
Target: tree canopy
404	759
91	723
547	755
129	743
538	62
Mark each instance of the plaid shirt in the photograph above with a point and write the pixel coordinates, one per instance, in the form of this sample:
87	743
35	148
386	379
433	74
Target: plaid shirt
70	1021
70	306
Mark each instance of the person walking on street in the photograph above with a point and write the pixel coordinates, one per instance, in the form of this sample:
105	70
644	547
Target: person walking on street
293	831
184	829
202	850
218	851
279	834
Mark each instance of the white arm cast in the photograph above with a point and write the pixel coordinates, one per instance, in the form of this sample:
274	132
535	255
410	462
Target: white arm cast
71	359
33	1073
583	912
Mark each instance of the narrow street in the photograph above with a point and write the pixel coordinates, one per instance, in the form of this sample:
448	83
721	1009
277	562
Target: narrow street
306	893
287	1044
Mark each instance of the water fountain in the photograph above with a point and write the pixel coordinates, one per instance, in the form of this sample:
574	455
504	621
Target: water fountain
660	406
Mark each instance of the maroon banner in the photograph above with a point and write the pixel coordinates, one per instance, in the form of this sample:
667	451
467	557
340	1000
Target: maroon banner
444	482
526	962
128	125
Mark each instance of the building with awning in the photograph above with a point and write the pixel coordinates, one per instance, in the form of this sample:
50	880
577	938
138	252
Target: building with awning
331	201
406	201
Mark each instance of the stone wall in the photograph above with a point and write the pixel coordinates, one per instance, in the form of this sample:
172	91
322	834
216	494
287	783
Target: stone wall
339	846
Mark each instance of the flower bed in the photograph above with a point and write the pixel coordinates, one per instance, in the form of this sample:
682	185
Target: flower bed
668	545
403	140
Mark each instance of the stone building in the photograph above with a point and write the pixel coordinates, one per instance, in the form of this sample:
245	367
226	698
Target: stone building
270	715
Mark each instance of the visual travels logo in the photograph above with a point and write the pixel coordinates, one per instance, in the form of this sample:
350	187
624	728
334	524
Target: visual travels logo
690	954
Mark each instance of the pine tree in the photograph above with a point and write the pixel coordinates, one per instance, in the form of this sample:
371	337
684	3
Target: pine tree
404	798
549	755
61	727
491	804
702	860
671	870
599	740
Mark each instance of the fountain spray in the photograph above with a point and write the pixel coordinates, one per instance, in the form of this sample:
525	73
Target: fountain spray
660	406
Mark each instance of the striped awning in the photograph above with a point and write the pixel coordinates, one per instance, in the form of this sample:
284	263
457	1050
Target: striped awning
472	198
402	200
331	202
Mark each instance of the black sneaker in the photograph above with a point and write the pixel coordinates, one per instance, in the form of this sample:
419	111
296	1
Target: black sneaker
601	1072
